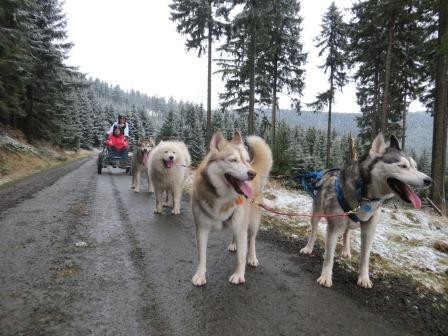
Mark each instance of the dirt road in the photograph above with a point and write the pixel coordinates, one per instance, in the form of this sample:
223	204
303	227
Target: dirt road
81	254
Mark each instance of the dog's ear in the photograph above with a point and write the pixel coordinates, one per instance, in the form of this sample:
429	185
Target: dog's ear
237	138
151	140
217	142
394	142
378	146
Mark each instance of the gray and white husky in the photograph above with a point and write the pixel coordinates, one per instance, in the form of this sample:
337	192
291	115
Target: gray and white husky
140	163
362	187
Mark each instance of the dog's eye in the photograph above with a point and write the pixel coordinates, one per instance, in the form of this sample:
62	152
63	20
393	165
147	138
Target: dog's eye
403	166
233	160
166	152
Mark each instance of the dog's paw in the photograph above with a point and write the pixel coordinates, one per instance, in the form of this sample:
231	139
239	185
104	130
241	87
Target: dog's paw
306	250
157	211
346	254
231	247
136	190
252	261
364	282
175	212
151	190
199	279
325	280
237	279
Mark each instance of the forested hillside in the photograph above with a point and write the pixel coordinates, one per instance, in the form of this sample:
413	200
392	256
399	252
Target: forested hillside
418	132
97	104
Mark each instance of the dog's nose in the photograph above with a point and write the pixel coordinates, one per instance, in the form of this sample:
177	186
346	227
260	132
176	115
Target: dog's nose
171	157
251	174
427	182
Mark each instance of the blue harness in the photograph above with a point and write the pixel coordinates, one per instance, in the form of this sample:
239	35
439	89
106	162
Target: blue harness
309	182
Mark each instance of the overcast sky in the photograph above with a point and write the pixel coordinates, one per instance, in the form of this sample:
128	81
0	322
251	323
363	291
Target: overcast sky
134	44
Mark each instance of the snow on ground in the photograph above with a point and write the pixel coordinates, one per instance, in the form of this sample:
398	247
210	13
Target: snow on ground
14	145
404	238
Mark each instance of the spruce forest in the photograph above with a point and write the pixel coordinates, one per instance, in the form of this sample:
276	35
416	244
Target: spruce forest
395	51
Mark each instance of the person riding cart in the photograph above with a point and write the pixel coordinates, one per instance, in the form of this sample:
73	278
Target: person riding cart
122	124
117	144
117	151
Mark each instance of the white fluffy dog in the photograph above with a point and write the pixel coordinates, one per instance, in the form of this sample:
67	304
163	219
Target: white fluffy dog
169	164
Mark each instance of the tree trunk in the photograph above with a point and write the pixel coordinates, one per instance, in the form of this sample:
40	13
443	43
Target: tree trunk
27	122
274	110
352	155
251	124
375	110
385	104
209	74
439	141
405	113
330	105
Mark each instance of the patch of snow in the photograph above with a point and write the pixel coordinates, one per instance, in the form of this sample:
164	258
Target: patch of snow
14	145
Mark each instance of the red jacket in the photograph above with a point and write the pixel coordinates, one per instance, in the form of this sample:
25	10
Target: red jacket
119	142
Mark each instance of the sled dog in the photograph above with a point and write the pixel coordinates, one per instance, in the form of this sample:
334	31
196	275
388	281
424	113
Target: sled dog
362	187
224	178
140	163
168	170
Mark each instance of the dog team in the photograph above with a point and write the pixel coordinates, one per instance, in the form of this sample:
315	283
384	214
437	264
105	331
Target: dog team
228	189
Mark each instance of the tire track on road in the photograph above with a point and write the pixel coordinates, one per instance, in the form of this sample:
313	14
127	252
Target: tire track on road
152	311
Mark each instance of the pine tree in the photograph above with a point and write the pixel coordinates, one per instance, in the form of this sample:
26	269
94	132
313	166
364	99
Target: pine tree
167	131
193	135
386	44
332	41
99	120
439	145
135	126
46	92
15	60
283	141
245	86
147	124
200	21
282	57
83	109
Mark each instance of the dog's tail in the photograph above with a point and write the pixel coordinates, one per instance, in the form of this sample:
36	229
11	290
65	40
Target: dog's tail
262	158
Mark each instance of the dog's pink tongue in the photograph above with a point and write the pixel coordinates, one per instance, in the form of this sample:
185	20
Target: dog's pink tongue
415	200
246	189
169	164
145	158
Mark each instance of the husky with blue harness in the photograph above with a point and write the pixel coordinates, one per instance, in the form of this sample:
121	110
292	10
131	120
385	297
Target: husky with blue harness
359	189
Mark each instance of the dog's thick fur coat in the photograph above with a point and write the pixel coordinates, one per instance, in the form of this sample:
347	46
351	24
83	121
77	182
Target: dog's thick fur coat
383	173
168	169
224	175
140	163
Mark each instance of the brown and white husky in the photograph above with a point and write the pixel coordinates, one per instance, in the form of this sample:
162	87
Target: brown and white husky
224	178
140	163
